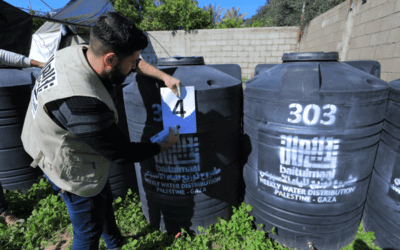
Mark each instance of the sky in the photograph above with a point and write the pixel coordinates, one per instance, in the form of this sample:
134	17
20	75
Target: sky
249	6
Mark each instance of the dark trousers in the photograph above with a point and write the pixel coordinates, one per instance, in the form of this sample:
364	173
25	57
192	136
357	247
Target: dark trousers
3	202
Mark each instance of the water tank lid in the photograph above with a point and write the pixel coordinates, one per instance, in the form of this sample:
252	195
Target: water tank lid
181	60
310	56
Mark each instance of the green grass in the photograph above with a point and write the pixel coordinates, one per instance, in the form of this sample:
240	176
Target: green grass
45	214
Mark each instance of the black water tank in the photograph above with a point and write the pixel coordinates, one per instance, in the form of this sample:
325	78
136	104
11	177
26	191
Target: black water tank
122	177
311	131
382	209
196	181
371	67
15	92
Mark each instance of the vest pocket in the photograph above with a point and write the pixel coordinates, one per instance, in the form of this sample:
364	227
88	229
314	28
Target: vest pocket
80	166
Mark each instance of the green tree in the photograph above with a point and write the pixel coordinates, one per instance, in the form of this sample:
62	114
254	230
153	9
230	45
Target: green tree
216	12
233	13
37	23
230	23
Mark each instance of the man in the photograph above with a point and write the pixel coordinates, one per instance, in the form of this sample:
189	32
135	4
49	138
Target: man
8	58
70	127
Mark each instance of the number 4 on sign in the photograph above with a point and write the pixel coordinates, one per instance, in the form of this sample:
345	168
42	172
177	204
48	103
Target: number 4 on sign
177	111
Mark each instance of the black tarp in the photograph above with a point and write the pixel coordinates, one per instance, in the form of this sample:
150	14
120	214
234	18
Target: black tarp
15	29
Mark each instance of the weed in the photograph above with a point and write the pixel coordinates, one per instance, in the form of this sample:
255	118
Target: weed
45	214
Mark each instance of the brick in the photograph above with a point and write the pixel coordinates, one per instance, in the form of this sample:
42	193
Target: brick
377	2
373	27
273	35
379	38
279	41
391	21
385	51
390	65
397	7
354	54
367	53
362	41
394	36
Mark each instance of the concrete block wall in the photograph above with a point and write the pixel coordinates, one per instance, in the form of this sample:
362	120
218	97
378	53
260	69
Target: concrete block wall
244	46
371	31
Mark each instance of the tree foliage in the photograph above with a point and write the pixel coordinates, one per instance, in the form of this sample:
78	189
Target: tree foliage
151	15
230	23
37	23
233	13
289	12
216	13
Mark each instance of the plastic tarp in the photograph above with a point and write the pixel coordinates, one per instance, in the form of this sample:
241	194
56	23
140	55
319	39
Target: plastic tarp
16	29
46	40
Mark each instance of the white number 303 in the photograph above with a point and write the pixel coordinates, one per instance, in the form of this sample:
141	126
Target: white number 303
329	111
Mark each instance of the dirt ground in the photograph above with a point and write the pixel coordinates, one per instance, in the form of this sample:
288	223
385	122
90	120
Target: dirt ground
62	244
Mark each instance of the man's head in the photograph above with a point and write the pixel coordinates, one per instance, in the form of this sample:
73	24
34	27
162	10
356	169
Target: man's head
115	43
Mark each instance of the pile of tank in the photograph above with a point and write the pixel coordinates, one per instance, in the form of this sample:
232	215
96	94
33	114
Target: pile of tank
311	143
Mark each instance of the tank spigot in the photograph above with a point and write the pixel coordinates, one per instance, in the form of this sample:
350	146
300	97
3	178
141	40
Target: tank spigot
311	245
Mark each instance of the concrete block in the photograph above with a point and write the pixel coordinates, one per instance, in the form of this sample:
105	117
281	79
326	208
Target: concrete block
379	38
272	47
238	48
293	47
357	21
243	54
261	35
329	38
338	36
266	53
284	35
279	41
265	42
215	48
233	42
291	40
227	48
221	43
327	30
390	76
389	7
377	2
358	31
397	50
391	21
384	51
284	47
273	35
373	27
244	42
270	41
261	48
277	53
367	53
239	35
363	41
249	48
255	42
397	7
195	49
353	54
216	37
394	36
390	65
335	27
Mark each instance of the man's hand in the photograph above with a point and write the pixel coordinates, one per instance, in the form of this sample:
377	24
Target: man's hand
37	64
170	141
174	84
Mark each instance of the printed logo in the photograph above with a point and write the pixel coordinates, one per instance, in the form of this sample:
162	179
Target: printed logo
46	80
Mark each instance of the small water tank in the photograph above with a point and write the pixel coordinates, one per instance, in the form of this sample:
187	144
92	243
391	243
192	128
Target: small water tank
382	209
15	92
196	181
311	131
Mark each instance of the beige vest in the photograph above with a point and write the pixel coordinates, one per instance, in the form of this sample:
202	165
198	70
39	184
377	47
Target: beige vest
69	163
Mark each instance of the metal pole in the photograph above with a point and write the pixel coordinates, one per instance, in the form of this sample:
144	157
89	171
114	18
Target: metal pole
59	21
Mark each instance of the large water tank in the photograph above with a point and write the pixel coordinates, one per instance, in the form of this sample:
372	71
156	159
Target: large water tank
382	209
311	131
15	92
369	66
196	181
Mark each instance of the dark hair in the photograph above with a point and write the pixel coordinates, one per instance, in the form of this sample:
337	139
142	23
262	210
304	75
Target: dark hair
118	33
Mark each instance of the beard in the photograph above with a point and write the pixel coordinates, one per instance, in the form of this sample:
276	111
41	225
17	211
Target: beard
116	77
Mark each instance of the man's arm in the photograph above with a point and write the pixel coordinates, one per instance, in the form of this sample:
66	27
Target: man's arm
147	69
16	60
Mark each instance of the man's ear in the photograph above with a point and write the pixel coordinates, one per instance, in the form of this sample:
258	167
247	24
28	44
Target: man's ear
110	60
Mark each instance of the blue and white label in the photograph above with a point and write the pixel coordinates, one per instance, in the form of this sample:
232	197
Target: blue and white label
179	111
46	80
